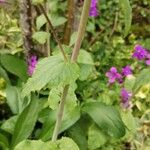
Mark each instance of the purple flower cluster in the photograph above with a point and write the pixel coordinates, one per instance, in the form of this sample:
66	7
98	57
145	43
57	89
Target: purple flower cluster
113	75
125	97
93	9
2	1
32	61
141	53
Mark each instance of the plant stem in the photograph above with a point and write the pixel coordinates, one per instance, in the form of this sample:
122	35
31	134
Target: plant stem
82	26
60	113
70	20
81	30
53	32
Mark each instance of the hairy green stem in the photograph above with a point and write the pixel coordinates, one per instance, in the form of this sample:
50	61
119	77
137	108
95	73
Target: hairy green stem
53	32
60	113
81	30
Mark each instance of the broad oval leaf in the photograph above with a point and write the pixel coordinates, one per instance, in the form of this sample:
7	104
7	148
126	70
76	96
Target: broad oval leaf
127	11
53	71
106	117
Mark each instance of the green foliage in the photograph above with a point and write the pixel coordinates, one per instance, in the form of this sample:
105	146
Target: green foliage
15	66
53	71
25	122
37	1
143	78
41	37
106	117
62	144
127	10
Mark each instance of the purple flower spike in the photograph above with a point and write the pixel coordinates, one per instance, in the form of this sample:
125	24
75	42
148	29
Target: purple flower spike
113	75
126	71
93	9
32	61
140	53
125	97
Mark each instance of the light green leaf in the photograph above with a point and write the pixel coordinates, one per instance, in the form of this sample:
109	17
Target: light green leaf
86	64
53	71
35	145
14	100
67	144
142	79
129	82
73	39
96	138
37	1
15	66
26	122
106	117
127	11
56	21
41	37
9	124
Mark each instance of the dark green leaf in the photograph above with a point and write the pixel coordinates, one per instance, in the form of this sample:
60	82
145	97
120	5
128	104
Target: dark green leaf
106	117
15	66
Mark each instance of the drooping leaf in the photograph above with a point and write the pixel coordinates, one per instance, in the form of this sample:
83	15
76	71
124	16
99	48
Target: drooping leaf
127	11
142	79
15	66
53	71
106	117
26	122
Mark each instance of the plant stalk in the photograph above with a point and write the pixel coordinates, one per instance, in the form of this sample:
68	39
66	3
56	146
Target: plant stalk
53	32
81	30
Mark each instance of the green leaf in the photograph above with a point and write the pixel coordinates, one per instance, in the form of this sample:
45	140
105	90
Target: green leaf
41	37
142	79
4	74
26	122
67	144
9	124
70	117
53	71
129	82
96	138
106	117
4	144
56	21
15	66
127	11
62	144
35	2
35	145
86	64
14	100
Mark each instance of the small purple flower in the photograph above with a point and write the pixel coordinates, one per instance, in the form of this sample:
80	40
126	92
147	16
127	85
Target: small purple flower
125	97
93	9
139	53
126	71
2	1
113	75
32	61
